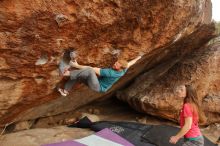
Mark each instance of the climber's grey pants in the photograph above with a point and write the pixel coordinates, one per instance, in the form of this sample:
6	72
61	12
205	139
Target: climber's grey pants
198	142
87	75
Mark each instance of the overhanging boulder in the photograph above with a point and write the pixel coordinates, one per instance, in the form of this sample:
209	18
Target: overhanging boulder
152	92
35	33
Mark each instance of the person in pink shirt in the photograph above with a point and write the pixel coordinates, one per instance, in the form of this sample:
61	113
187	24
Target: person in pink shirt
190	115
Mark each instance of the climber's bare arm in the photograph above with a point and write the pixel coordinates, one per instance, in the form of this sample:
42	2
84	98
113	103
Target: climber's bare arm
97	70
76	65
132	62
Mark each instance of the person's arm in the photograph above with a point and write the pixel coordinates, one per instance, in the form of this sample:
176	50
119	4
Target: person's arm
183	131
76	65
97	70
132	62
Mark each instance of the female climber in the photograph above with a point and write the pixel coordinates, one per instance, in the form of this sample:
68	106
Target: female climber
190	115
98	79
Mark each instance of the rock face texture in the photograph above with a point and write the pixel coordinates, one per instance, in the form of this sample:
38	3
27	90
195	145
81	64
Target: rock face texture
154	94
35	33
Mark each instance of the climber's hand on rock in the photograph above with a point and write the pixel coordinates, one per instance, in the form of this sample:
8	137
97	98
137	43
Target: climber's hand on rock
66	69
139	57
66	73
141	54
74	63
62	73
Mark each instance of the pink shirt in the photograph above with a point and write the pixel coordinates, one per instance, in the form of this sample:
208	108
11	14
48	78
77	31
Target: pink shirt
187	111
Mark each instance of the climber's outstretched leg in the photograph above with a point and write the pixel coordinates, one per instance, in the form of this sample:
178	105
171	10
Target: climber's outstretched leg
88	75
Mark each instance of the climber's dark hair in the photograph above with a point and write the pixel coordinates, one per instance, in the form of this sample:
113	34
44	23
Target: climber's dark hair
66	54
192	98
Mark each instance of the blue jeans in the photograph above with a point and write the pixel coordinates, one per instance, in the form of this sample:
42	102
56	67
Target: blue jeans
87	75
